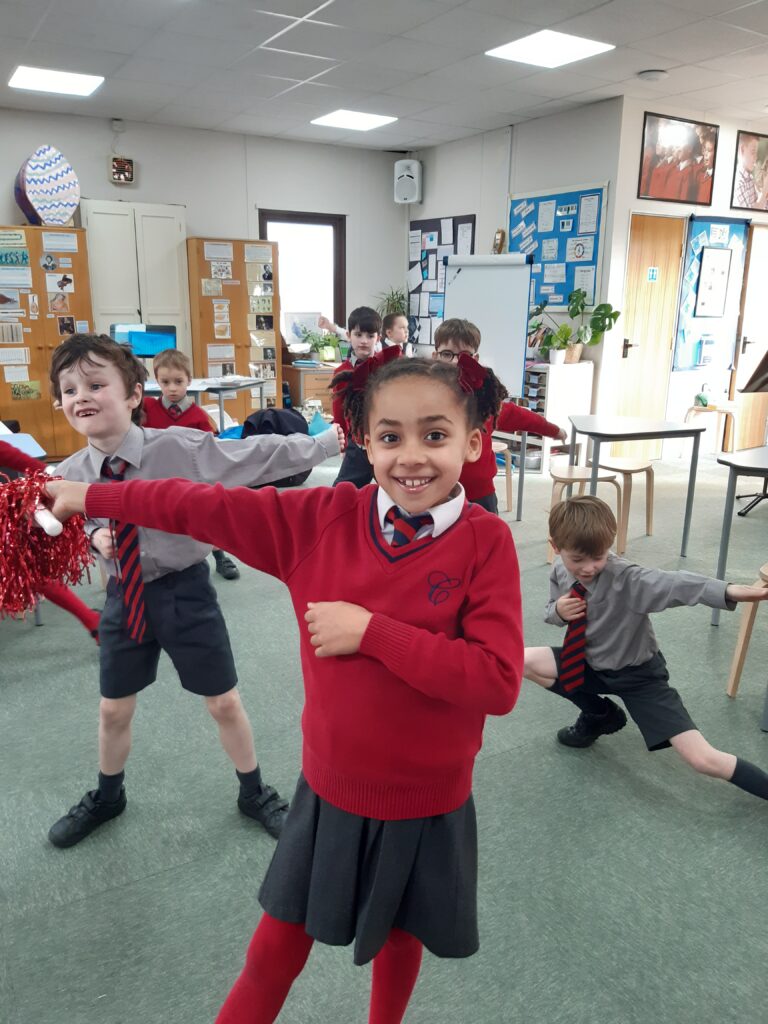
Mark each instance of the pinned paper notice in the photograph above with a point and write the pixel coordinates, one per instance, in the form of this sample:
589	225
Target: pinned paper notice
446	230
546	219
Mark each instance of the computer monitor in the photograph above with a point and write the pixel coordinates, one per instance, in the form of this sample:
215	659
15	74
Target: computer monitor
145	340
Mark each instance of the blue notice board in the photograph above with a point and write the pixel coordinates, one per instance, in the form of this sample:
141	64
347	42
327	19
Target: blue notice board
563	232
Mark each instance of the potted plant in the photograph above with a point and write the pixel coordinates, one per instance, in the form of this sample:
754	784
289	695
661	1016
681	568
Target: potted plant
564	342
393	301
320	343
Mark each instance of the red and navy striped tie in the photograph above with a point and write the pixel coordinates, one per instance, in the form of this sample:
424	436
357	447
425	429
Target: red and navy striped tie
406	527
572	655
126	537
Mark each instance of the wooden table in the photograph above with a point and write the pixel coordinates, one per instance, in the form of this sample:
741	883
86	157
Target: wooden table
635	428
749	462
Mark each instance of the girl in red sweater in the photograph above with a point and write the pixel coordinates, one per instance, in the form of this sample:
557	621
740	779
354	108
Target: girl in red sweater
12	458
409	599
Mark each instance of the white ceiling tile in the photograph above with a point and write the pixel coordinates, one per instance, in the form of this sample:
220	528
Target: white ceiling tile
753	17
314	133
685	79
188	117
141	69
139	13
616	65
411	55
69	58
706	8
542	13
476	30
699	41
360	75
282	64
481	72
735	92
258	124
625	21
472	114
748	63
217	21
20	20
207	52
433	87
509	98
80	30
549	84
293	8
549	108
394	17
328	40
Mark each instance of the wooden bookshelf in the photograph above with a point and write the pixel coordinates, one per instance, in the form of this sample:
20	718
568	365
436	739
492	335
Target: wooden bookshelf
234	300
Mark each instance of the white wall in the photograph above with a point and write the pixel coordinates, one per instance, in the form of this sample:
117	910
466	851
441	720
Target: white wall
221	178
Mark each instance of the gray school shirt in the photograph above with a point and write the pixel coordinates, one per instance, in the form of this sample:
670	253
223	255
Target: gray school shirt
195	455
619	602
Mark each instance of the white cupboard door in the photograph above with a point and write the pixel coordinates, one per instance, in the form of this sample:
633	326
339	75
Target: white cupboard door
111	262
160	243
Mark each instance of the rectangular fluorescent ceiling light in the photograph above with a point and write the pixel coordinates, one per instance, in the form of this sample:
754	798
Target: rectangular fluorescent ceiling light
549	49
66	83
354	120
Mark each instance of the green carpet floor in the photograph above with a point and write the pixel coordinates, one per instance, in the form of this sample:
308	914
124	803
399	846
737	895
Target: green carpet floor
616	887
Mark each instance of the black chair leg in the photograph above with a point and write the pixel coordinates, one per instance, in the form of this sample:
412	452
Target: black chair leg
756	499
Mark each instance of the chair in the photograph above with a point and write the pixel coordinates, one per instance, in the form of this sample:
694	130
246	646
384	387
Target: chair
748	614
500	447
627	468
564	476
726	413
213	412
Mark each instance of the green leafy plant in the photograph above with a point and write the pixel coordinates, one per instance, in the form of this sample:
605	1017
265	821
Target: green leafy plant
590	325
393	301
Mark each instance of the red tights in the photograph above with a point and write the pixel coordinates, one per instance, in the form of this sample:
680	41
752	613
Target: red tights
276	957
65	598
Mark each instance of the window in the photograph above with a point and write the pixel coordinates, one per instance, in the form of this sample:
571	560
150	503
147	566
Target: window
312	260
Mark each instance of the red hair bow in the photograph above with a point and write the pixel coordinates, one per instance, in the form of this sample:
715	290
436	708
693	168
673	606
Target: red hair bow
471	374
369	366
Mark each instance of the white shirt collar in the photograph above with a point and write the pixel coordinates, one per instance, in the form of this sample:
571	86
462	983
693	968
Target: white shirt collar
443	515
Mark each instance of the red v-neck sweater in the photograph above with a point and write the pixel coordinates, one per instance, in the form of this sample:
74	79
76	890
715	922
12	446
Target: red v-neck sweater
157	416
392	731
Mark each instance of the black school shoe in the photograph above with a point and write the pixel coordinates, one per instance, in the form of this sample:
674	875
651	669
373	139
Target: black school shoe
586	729
266	806
225	566
84	817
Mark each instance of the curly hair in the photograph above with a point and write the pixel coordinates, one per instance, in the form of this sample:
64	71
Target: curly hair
480	405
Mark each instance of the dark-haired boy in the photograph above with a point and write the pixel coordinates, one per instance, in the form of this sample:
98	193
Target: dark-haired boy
363	331
159	595
610	646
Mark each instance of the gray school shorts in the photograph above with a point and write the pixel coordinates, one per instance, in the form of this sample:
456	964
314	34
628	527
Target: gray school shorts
184	620
656	707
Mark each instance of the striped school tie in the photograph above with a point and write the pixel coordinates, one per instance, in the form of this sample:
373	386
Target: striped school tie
126	537
406	527
572	655
174	411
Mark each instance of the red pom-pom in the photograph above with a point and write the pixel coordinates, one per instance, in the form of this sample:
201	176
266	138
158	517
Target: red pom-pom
29	558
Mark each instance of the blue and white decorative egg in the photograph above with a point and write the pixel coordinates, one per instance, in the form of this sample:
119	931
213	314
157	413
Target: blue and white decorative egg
46	187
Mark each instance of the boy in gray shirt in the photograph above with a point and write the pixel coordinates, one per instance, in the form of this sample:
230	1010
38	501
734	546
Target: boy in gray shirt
610	646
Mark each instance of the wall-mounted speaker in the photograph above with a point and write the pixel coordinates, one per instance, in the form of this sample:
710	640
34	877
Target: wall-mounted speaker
408	181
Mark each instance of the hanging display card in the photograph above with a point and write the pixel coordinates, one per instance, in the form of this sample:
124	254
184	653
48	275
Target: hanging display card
14	356
12	239
15	277
59	241
219	352
217	250
257	253
15	373
563	231
221	269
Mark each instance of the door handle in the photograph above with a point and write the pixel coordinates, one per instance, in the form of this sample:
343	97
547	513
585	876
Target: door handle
744	342
626	347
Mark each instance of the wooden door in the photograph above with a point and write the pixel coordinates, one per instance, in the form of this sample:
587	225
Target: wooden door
651	299
752	344
113	265
162	265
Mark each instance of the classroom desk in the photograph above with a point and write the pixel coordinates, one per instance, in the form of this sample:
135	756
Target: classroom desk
502	435
636	428
750	462
200	385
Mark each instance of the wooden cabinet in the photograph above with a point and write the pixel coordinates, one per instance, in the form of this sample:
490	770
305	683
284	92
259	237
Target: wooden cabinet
234	300
309	382
48	312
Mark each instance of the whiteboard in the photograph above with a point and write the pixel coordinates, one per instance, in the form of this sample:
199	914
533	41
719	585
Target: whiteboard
493	292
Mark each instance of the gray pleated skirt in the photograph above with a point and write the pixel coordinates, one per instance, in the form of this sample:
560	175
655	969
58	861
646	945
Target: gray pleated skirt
352	879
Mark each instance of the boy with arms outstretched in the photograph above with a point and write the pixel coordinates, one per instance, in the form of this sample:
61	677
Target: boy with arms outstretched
610	647
159	595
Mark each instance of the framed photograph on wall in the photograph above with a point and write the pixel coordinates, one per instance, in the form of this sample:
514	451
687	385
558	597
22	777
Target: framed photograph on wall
750	172
677	163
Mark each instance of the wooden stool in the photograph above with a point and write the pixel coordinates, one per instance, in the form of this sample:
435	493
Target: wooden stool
564	475
745	632
728	414
627	467
499	447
